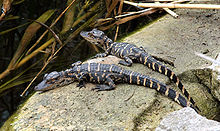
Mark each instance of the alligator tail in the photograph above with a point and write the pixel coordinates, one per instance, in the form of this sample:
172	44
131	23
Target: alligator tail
156	66
143	80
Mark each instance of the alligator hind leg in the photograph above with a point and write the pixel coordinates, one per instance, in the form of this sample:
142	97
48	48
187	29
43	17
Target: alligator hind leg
127	61
103	87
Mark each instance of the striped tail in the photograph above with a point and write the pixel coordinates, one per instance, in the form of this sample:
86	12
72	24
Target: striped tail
156	66
139	79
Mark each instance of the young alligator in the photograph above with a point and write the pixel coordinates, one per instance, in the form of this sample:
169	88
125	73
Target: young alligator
130	53
106	75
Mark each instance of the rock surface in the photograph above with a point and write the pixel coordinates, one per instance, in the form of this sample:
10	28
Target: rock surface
212	74
187	119
131	107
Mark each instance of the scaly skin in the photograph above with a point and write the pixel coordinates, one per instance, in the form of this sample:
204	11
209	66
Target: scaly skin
106	75
130	53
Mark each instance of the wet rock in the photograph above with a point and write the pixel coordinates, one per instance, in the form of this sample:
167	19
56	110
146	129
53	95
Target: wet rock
187	119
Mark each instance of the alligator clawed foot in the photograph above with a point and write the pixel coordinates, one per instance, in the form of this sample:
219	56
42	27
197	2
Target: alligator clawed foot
81	85
97	89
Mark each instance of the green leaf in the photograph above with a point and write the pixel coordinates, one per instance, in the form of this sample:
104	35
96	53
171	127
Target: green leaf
14	81
9	30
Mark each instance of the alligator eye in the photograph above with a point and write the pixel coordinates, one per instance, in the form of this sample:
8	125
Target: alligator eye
98	42
90	34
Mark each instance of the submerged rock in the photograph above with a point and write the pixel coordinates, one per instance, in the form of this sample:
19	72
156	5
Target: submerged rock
187	119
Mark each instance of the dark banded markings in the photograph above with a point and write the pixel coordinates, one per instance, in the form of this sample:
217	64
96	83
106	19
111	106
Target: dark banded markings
149	65
177	82
158	87
110	69
127	51
176	98
95	74
189	104
141	59
167	91
138	79
165	72
131	77
89	67
78	69
103	75
159	66
124	48
153	65
130	50
151	83
98	79
189	99
171	76
145	60
184	91
98	68
145	79
90	77
121	71
111	45
117	51
106	41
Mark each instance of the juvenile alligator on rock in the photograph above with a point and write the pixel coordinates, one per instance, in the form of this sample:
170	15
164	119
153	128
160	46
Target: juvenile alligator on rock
130	53
106	75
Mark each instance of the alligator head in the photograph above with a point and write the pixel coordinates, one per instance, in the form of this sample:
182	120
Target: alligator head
97	37
53	80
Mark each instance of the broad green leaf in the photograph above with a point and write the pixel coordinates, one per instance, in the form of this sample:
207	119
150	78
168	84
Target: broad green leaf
69	16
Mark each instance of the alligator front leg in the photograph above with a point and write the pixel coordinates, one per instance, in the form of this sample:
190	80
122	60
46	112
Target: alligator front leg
81	84
100	55
76	63
127	61
82	78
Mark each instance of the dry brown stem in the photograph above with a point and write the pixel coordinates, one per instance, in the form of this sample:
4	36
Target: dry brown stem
172	5
169	11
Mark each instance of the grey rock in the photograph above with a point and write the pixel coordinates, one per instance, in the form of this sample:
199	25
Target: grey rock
187	119
213	79
131	107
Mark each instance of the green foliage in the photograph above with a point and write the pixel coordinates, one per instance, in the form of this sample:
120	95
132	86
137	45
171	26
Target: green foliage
34	45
